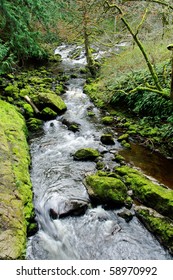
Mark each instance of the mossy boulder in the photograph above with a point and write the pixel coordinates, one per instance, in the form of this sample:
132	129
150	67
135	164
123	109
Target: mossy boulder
160	226
16	206
85	154
104	189
147	192
51	100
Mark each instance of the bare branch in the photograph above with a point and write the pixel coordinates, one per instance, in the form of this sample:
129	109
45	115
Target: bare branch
142	21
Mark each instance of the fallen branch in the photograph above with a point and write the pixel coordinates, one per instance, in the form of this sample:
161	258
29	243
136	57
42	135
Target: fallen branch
28	99
163	93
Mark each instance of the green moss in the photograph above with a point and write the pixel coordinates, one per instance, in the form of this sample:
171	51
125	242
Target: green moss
127	124
47	80
15	186
125	144
28	110
92	89
12	90
36	80
86	154
106	189
123	137
100	165
59	89
149	193
107	120
118	158
26	91
160	226
91	114
48	113
49	99
34	124
128	202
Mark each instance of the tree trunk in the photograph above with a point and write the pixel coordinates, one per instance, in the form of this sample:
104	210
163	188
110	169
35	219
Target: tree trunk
90	60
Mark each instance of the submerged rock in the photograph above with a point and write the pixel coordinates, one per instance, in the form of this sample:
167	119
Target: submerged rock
126	214
68	207
107	139
73	126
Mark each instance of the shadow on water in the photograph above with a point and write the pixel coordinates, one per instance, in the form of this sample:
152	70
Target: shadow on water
151	163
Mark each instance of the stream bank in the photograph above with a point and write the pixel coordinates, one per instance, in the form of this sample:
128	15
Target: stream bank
16	208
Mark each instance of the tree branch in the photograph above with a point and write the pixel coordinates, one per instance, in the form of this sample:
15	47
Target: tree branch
152	1
139	44
140	88
142	21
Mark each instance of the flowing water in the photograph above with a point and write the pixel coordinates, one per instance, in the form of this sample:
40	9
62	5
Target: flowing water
58	188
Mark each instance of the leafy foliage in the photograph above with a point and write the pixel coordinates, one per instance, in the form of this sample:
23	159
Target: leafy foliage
22	22
149	107
143	103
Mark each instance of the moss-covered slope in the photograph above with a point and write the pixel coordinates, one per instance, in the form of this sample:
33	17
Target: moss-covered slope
15	186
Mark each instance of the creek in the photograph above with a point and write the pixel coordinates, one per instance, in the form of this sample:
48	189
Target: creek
58	188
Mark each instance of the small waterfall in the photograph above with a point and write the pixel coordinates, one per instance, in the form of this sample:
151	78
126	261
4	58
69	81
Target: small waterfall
69	228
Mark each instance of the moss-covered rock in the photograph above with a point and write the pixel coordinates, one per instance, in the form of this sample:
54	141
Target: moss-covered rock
107	120
106	189
100	165
125	144
123	137
59	89
15	186
12	91
160	226
149	193
51	100
86	154
119	159
48	114
34	124
28	110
